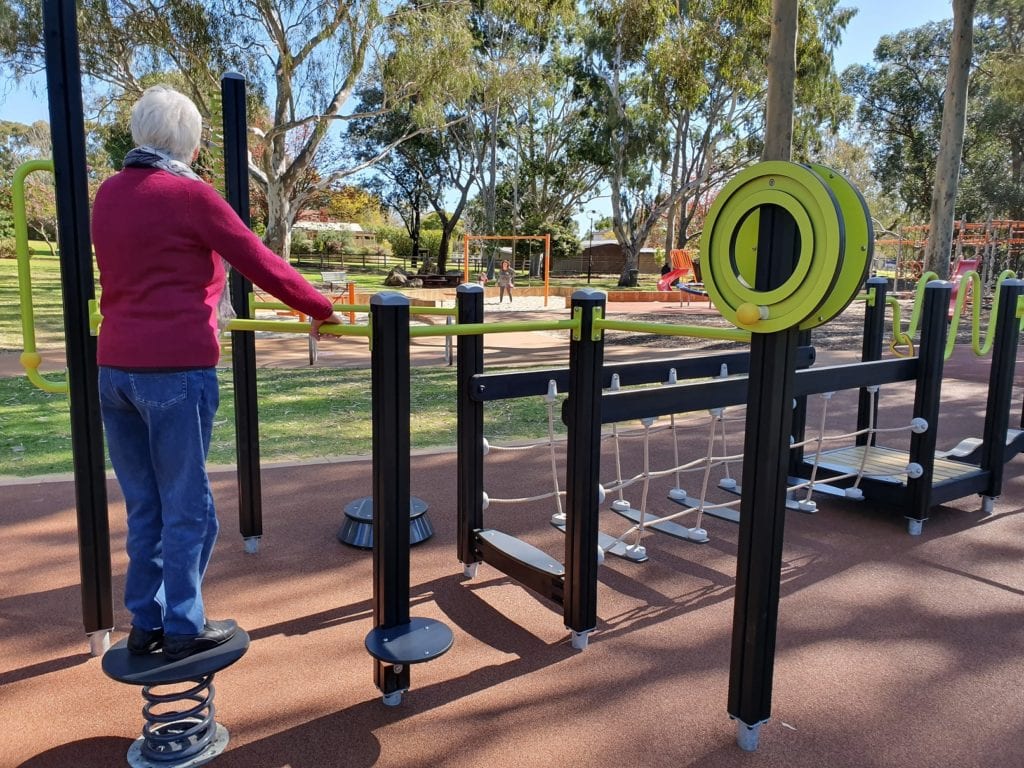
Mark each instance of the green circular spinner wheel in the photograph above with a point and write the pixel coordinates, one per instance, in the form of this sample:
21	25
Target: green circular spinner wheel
859	246
829	265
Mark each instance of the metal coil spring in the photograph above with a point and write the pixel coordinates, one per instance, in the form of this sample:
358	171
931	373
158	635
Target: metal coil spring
177	734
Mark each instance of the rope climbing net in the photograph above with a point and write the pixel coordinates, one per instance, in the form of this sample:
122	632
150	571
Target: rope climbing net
713	468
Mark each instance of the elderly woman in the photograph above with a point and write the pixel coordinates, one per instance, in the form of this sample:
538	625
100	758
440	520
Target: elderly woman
161	236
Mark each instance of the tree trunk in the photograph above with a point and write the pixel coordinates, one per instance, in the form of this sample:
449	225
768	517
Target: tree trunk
279	220
414	237
444	248
778	128
1016	168
631	266
951	140
670	221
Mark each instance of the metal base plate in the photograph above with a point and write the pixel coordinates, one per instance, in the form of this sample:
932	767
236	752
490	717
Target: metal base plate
219	743
667	527
613	547
733	515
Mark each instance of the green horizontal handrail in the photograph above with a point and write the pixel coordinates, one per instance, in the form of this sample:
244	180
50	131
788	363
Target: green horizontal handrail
693	331
364	308
478	329
280	326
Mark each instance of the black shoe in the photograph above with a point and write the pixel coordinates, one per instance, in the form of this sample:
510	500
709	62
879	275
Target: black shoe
177	647
145	641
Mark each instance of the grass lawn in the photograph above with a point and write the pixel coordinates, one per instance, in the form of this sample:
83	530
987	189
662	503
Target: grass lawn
47	303
296	419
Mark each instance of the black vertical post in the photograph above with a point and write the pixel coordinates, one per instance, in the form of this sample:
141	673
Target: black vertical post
927	397
871	349
1000	386
470	415
243	344
798	429
67	130
389	355
583	466
762	507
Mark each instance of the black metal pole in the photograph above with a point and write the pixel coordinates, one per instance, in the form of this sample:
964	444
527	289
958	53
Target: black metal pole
470	430
389	320
67	130
583	467
1000	387
871	349
798	427
927	397
243	344
762	507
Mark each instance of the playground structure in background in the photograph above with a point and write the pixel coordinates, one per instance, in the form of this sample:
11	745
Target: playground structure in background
987	248
683	274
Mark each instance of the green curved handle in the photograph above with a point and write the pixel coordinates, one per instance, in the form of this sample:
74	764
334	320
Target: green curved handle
30	357
981	344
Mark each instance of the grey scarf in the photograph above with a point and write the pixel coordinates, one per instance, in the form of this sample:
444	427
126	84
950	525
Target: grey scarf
149	157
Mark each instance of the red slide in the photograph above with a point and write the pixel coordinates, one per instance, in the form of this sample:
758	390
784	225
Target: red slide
962	268
665	283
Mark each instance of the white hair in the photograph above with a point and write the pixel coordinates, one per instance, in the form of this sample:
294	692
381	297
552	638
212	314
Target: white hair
167	120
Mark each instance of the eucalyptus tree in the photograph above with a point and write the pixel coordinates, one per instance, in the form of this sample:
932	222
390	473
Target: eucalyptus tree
515	45
431	171
678	94
994	183
900	107
20	143
951	140
549	171
303	60
515	40
402	190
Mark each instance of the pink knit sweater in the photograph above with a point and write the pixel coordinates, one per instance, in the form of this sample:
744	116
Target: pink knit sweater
159	239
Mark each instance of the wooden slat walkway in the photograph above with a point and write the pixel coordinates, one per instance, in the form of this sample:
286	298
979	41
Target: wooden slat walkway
885	464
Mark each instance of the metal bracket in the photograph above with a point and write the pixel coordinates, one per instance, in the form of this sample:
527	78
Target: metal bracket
595	327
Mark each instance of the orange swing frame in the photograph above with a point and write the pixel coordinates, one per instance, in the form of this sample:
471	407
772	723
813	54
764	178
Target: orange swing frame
515	239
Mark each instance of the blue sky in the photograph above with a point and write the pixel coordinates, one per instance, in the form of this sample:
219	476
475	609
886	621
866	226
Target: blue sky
874	19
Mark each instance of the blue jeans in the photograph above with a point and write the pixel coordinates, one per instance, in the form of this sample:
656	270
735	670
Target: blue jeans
158	429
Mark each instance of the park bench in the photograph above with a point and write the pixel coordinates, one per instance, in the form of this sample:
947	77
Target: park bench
334	280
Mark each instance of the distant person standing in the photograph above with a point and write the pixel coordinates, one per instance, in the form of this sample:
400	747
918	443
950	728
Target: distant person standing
506	281
162	236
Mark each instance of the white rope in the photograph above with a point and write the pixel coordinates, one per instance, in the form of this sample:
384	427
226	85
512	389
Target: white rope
550	398
639	434
827	397
524	499
556	493
870	429
513	448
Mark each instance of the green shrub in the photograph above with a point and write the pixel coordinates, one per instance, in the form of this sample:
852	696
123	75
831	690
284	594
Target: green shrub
398	240
400	244
301	242
8	248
